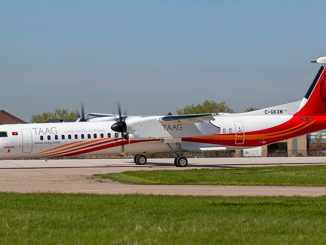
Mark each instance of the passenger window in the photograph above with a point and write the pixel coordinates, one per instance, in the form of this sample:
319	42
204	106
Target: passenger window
3	134
82	136
89	136
102	136
56	137
116	135
49	137
109	135
95	136
41	137
63	137
76	136
69	136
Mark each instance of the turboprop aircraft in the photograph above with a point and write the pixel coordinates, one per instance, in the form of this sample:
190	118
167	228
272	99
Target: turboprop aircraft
139	135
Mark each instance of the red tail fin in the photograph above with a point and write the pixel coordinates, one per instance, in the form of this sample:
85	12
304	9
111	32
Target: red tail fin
314	103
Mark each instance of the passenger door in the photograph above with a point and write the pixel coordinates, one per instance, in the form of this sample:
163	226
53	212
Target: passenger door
239	133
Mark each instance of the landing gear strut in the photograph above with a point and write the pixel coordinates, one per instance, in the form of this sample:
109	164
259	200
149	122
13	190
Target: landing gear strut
140	159
179	161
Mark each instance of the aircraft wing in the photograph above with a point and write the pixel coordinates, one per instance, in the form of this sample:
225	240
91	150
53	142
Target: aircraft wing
187	118
95	114
172	126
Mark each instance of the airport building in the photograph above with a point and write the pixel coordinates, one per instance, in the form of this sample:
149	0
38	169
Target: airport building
313	144
297	146
7	118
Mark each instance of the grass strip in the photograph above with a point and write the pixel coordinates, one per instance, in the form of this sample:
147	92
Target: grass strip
139	219
308	175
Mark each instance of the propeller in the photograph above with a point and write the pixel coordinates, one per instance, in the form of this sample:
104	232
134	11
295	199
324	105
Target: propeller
121	127
81	115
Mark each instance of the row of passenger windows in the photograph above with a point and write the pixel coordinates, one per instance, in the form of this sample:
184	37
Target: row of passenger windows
81	136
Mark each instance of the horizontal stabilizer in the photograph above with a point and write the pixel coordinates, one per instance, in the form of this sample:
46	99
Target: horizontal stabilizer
321	61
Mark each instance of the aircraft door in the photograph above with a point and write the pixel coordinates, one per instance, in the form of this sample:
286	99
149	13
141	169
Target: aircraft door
27	139
239	133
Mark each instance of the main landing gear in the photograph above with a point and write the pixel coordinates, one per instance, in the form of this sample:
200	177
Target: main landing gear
140	159
181	162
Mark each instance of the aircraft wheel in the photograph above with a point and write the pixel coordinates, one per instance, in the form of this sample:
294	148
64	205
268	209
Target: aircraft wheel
136	158
141	160
181	162
175	162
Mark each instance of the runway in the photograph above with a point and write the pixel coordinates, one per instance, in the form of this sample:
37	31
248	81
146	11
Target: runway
76	176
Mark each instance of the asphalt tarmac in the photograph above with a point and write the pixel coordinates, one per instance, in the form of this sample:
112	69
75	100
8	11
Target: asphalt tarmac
76	176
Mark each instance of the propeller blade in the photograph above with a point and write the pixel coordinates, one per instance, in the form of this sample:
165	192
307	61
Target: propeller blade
123	145
83	119
119	111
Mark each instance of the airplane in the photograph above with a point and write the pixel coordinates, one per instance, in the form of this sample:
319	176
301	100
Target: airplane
140	135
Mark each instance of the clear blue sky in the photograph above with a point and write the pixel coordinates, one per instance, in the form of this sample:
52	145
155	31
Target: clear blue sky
156	56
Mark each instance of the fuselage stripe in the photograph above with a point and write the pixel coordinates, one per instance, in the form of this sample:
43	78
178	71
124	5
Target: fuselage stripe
77	145
107	146
58	147
90	145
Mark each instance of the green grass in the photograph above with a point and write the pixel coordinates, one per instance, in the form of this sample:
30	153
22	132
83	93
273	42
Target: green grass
138	219
310	175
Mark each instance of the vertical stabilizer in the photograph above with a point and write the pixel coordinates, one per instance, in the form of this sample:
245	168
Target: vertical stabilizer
314	102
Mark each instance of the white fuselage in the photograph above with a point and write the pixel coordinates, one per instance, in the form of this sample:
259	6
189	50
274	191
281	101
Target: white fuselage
148	136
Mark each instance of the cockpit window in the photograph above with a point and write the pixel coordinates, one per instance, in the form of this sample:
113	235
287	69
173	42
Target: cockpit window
3	134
